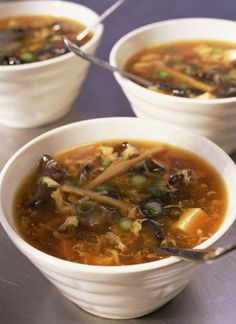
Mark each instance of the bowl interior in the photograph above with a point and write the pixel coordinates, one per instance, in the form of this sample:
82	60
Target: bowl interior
64	9
171	30
113	128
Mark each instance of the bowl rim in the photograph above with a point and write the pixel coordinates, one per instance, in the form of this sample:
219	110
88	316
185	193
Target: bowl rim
155	95
45	258
38	64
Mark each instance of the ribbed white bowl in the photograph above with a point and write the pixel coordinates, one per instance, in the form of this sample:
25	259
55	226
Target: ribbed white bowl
112	292
214	118
38	93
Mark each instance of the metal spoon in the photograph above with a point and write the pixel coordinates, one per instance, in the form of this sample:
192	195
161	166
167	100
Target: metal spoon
104	64
202	255
104	15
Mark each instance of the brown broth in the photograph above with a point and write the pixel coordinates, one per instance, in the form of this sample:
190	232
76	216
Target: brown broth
33	38
206	61
106	235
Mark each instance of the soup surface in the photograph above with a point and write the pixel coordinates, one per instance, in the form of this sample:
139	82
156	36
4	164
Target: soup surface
193	69
26	39
113	203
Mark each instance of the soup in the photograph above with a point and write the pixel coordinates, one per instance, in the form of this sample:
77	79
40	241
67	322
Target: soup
26	39
202	69
114	203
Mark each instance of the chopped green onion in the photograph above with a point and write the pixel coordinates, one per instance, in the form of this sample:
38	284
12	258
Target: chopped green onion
105	188
48	46
154	191
153	208
175	60
217	50
106	163
27	57
84	207
126	223
156	178
189	70
139	181
183	86
163	74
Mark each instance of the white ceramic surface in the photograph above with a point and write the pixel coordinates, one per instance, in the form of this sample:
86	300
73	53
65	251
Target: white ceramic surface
215	118
38	93
112	292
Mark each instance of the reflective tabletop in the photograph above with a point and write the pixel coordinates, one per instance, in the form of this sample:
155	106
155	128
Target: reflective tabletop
26	297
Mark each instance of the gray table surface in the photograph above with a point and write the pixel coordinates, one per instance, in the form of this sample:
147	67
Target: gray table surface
26	297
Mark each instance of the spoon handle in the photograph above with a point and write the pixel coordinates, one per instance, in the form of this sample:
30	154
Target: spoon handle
103	16
104	64
204	255
191	254
222	251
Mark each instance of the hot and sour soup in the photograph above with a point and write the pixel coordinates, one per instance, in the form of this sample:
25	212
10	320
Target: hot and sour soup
113	203
33	38
203	69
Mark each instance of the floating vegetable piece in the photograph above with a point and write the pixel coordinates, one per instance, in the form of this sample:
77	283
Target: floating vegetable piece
97	218
161	74
115	240
180	178
63	207
105	188
83	174
50	173
189	221
155	227
27	57
153	190
151	208
122	205
138	181
40	195
49	182
120	147
136	227
126	223
121	166
70	221
108	153
106	163
85	207
129	151
52	168
45	187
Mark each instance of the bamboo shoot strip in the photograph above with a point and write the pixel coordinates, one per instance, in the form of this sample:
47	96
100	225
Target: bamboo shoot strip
122	205
121	166
185	78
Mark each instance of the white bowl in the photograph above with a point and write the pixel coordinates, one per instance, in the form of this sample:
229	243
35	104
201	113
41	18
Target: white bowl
119	292
38	93
214	118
